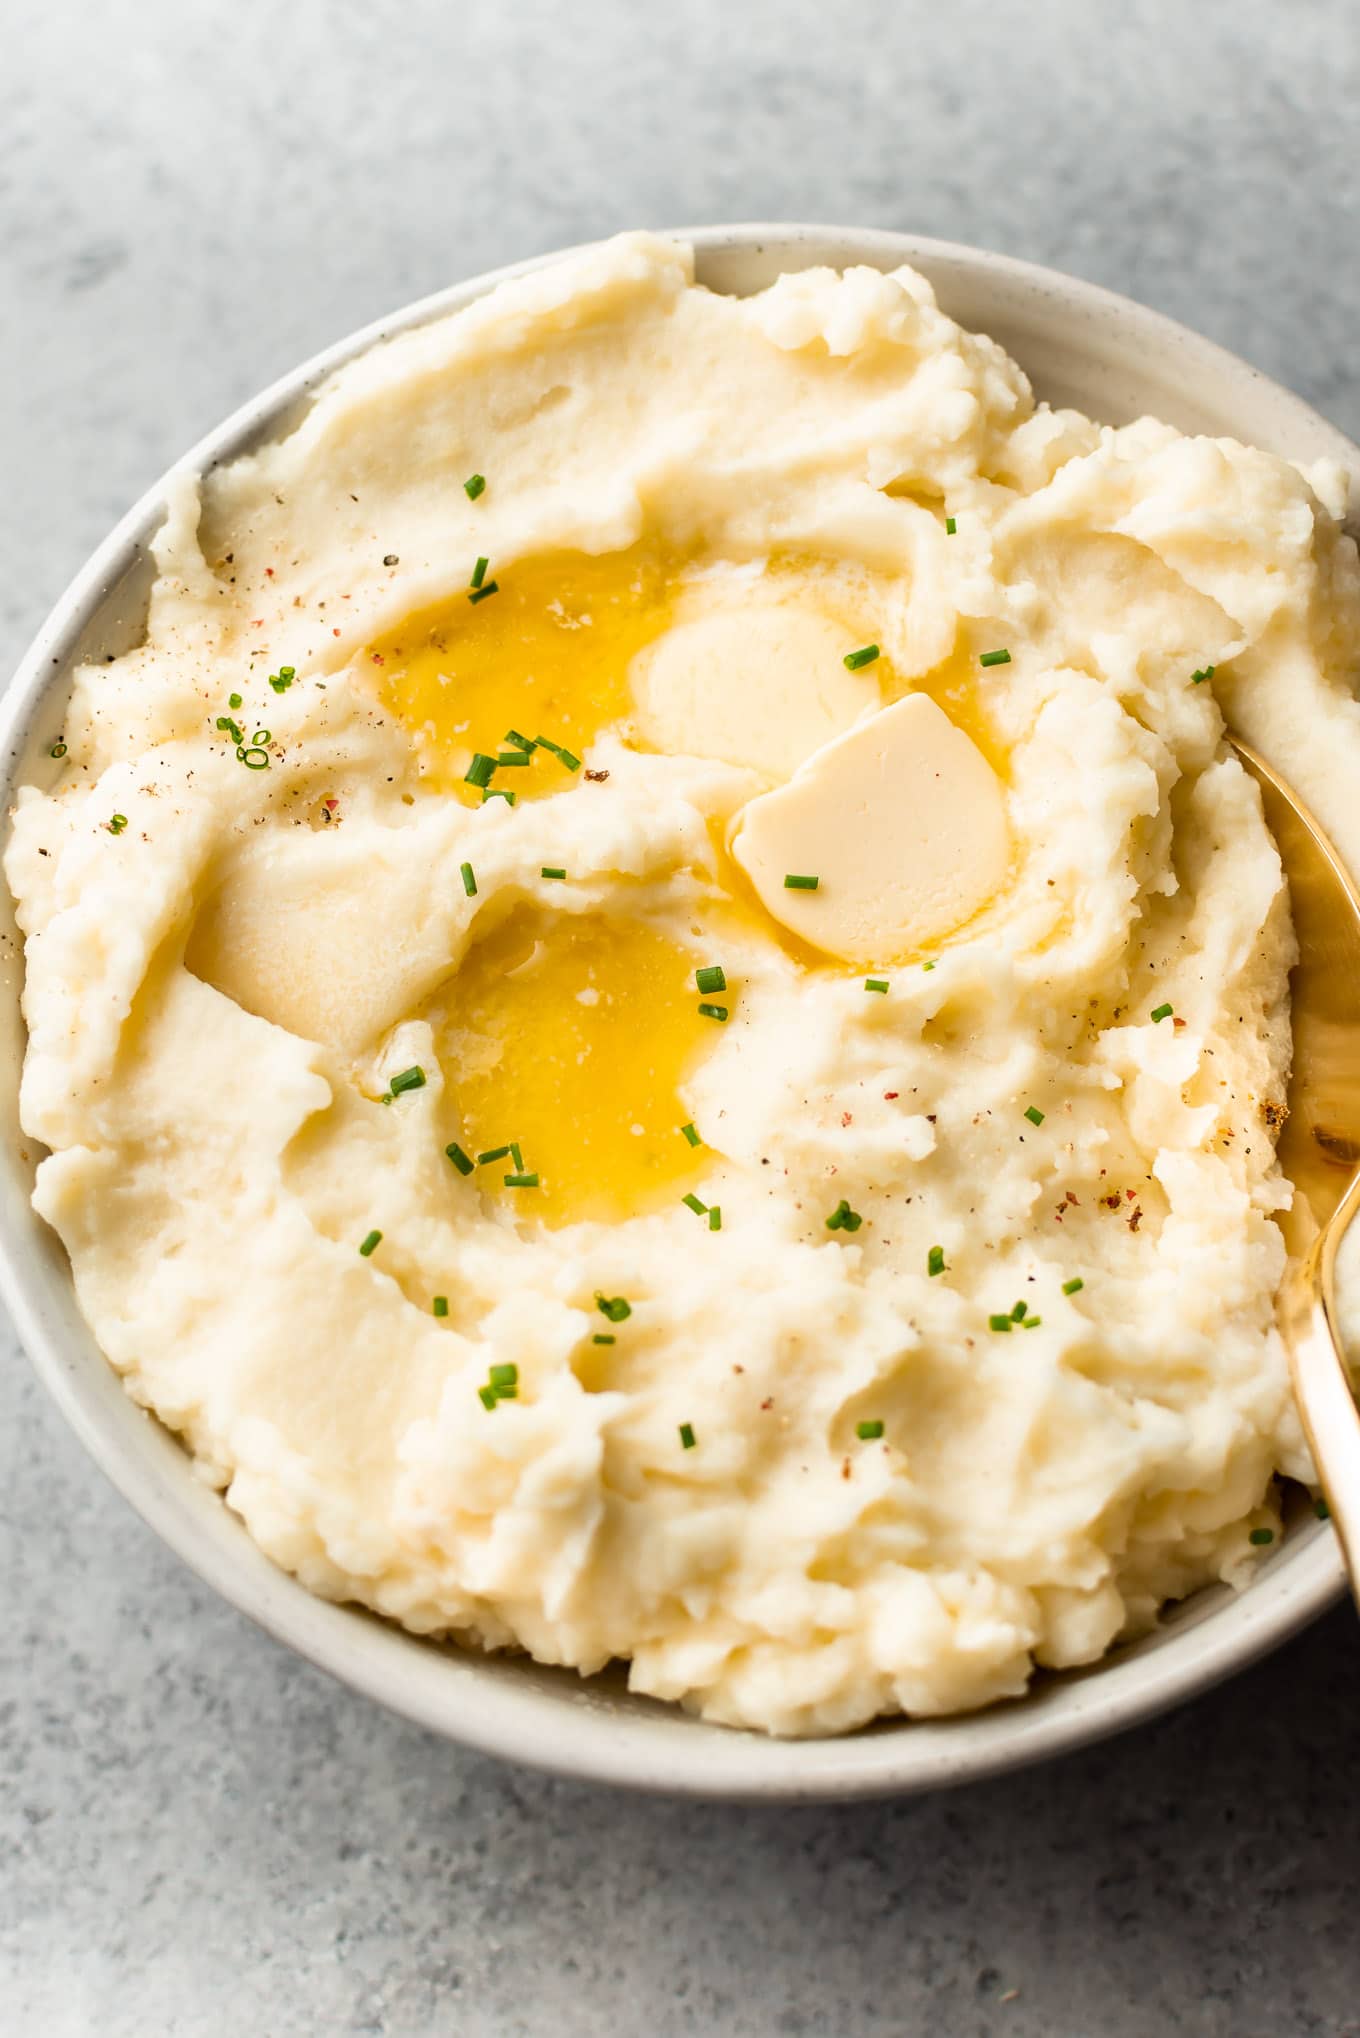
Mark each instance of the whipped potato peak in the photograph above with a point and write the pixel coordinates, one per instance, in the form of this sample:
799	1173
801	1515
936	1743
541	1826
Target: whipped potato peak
903	823
548	1226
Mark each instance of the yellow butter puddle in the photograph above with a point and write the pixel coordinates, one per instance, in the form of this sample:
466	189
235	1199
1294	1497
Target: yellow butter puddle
571	1036
546	655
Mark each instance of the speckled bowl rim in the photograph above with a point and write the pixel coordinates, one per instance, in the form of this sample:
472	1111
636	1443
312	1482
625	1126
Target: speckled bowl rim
1074	339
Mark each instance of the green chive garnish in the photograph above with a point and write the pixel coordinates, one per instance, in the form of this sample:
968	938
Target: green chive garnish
495	1153
1034	1114
1206	672
58	749
503	1376
469	879
487	1396
687	1436
552	870
843	1218
566	757
864	656
935	1260
488	587
225	723
493	792
117	823
604	1337
1031	1323
711	978
950	526
474	486
508	759
998	1323
1161	1012
927	965
440	1305
462	1161
1018	1313
995	658
520	1181
409	1079
233	700
718	1012
253	756
525	743
370	1244
1074	1286
693	1203
1321	1509
794	883
868	1432
280	681
875	983
688	1132
714	1218
479	572
480	770
614	1307
1261	1537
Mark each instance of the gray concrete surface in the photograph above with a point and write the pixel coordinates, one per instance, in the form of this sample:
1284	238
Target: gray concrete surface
200	1835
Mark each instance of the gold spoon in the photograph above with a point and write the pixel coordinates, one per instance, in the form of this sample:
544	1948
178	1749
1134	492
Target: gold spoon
1319	1147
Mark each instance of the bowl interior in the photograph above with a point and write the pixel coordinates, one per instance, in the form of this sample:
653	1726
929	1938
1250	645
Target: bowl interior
1080	346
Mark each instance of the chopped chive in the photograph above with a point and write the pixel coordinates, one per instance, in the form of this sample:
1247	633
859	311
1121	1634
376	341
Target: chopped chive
508	759
409	1079
117	823
1034	1114
468	876
1205	672
1321	1509
479	572
525	743
718	1012
263	736
995	658
875	983
254	757
474	486
714	1217
520	1181
480	770
487	1396
370	1244
927	965
1031	1323
1161	1012
868	1432
556	750
1074	1286
864	656
225	723
280	680
552	870
693	1203
687	1436
58	749
998	1323
794	883
614	1307
843	1218
462	1161
688	1132
711	978
1261	1537
950	526
1018	1313
507	1394
494	792
604	1337
503	1376
233	700
440	1305
935	1260
495	1153
488	587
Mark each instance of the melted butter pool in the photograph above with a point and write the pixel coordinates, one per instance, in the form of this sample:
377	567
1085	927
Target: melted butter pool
572	1035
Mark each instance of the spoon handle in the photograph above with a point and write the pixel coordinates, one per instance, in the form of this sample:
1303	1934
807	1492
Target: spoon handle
1322	1386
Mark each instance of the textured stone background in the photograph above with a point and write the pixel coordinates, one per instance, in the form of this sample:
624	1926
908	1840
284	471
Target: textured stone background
200	1835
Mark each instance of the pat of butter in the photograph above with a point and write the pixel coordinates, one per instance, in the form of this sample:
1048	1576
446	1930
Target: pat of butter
762	684
902	822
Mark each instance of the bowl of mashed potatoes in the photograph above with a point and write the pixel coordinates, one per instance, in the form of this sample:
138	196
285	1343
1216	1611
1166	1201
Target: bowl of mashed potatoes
646	1014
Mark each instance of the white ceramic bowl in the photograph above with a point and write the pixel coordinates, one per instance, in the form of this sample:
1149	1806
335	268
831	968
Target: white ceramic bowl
1080	346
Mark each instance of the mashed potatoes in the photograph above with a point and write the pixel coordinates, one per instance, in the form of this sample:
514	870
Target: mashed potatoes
658	1007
